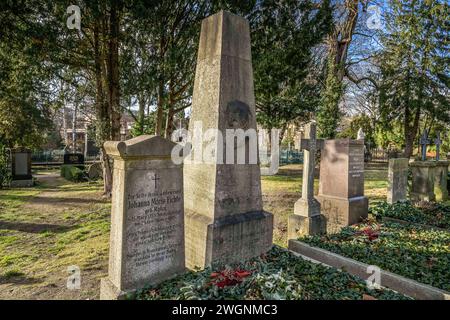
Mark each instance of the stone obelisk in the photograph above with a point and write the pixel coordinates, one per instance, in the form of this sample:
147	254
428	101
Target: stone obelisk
224	218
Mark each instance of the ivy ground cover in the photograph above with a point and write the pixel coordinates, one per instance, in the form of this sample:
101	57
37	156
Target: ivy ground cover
277	275
407	250
423	212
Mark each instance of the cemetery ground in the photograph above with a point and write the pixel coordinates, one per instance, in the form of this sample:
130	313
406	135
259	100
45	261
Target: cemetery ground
57	224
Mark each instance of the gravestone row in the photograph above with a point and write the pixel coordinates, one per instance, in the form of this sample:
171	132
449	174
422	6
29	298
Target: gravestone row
167	216
341	201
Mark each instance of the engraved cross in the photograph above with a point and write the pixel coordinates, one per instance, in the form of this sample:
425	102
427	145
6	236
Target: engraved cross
156	178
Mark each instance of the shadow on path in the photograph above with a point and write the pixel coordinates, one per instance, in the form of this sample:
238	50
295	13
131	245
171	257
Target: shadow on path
34	227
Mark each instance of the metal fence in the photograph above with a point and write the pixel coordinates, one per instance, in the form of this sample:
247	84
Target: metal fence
291	157
378	154
57	157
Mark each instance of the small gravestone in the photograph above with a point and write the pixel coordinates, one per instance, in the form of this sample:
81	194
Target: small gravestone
21	167
74	159
95	171
147	218
423	180
341	186
397	180
307	219
441	180
441	173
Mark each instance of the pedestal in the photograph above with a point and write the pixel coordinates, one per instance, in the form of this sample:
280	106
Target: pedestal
306	219
229	239
342	212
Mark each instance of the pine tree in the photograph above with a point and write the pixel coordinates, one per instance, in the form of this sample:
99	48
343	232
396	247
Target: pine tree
414	65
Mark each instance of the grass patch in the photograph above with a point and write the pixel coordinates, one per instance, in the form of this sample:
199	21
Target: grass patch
277	275
13	273
43	234
7	240
13	259
408	250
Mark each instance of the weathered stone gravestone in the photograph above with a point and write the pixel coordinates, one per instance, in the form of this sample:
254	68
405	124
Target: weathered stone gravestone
423	180
341	185
147	218
440	180
95	171
397	180
307	219
441	173
21	168
225	221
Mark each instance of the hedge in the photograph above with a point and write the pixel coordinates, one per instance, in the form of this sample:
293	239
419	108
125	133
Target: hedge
407	250
73	172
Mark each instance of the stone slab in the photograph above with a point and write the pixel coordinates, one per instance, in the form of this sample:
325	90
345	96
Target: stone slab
390	280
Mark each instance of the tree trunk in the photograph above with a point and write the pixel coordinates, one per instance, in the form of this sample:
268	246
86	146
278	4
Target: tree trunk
170	112
410	130
74	128
107	173
342	37
113	72
160	111
141	114
103	119
169	123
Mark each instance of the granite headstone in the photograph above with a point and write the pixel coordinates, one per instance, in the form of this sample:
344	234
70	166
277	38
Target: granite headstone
341	185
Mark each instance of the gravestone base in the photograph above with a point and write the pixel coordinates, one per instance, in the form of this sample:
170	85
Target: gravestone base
440	182
420	196
22	183
343	212
306	219
229	239
307	208
305	226
108	291
423	180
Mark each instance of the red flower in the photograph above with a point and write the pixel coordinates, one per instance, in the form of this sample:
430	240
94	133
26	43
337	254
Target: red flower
227	278
370	233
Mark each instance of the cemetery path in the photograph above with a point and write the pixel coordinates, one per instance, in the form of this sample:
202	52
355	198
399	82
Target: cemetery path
48	228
